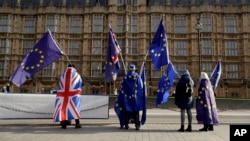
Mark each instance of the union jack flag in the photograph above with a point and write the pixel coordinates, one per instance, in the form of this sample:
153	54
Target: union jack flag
112	66
67	105
118	49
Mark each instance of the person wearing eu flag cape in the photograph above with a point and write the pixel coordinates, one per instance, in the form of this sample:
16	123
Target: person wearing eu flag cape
130	99
206	108
184	98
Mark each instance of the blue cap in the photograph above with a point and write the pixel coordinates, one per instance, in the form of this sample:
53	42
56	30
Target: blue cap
132	67
185	72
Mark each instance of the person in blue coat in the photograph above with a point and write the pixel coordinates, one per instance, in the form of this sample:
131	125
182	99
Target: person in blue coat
184	98
130	99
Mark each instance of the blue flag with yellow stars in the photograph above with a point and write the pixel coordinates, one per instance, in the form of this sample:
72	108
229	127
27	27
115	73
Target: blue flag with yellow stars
119	110
45	52
216	74
130	96
144	96
158	50
165	84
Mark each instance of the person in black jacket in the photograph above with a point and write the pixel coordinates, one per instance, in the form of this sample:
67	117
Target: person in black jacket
184	98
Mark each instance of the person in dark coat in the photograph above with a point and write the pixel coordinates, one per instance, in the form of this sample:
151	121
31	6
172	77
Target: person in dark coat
130	99
206	108
184	98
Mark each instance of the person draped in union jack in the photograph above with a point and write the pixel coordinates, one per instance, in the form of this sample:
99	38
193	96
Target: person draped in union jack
67	104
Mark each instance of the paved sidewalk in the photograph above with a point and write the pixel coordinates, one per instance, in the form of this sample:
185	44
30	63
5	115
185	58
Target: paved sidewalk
161	125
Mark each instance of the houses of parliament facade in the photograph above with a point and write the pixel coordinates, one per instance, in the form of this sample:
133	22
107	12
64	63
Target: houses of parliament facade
199	34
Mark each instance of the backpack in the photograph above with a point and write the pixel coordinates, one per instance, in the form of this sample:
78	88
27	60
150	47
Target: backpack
189	89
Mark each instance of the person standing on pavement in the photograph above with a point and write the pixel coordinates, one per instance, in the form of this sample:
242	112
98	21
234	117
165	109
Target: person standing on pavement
184	98
206	108
129	99
68	98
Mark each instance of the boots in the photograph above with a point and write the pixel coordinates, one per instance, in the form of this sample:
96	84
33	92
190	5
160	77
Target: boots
137	127
181	129
64	124
126	126
189	129
78	125
210	127
205	128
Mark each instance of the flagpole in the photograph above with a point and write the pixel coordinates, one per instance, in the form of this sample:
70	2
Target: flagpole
64	54
120	53
123	62
144	61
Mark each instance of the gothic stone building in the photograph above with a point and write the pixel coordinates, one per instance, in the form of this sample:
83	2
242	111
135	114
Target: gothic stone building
199	33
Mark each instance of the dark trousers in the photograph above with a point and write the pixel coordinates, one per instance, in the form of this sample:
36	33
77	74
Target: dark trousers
134	116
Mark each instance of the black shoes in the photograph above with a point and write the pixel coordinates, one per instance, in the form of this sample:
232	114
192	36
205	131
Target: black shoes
181	129
64	127
68	122
78	126
205	128
189	129
126	126
210	127
137	127
64	124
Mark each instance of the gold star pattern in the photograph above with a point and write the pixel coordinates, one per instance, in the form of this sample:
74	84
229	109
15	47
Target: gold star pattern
32	67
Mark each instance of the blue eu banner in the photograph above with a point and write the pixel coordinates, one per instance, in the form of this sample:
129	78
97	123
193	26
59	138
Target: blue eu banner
239	132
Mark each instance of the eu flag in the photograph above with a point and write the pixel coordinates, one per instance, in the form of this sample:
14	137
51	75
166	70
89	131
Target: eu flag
144	96
216	74
158	49
119	110
165	84
112	66
45	52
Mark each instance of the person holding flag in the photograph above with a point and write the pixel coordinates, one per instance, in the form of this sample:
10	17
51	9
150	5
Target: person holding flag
184	98
68	97
130	99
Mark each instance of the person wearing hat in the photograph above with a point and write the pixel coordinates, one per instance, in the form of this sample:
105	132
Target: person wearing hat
127	105
68	98
184	98
206	108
